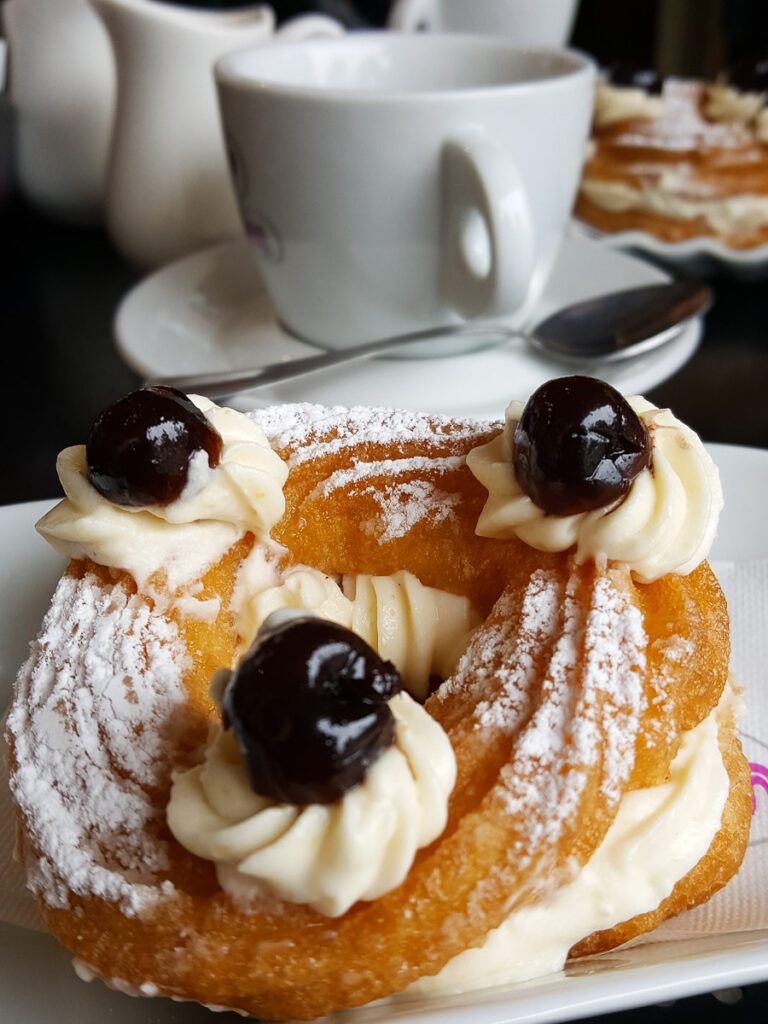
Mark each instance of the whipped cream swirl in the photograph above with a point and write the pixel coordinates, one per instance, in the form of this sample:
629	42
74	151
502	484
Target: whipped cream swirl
328	856
665	523
727	105
244	492
671	197
421	630
623	103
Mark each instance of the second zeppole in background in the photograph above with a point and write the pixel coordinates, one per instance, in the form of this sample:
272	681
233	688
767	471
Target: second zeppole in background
680	159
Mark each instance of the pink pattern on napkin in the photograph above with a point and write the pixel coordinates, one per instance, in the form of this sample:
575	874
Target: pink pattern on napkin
759	778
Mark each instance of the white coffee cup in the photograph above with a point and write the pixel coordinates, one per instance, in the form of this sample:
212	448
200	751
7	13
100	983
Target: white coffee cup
525	22
391	182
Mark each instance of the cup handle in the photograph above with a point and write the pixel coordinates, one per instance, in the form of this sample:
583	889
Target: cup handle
412	15
489	248
305	26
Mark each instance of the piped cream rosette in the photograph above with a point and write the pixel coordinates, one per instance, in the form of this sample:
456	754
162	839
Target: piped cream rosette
623	103
422	630
243	492
326	855
665	523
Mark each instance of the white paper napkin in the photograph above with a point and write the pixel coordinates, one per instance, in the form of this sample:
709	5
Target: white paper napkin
741	906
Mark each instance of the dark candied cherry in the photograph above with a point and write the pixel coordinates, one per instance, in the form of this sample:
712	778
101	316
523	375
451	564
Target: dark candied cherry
139	449
308	707
748	74
635	76
578	445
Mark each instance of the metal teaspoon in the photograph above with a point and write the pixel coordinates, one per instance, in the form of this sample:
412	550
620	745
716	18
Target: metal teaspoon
617	325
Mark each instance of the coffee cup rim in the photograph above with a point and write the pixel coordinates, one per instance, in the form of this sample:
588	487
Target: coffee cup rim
228	71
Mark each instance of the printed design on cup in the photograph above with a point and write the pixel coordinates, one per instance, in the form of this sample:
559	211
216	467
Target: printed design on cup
259	229
237	166
263	234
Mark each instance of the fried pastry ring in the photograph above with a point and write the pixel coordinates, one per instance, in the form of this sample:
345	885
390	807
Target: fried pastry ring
552	713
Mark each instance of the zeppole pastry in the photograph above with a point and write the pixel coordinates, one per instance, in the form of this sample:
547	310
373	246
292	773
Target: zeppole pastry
335	705
680	159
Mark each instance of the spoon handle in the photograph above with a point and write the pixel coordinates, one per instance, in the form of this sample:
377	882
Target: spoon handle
220	385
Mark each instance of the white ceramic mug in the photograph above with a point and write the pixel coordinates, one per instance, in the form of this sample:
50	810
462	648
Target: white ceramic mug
390	182
525	22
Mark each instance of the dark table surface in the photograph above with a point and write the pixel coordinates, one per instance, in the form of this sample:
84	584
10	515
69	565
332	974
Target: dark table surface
58	293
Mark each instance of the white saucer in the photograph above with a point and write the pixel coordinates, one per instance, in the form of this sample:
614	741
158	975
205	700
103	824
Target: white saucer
209	312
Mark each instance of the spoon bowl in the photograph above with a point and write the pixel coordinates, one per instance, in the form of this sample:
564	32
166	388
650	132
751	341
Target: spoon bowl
621	325
586	334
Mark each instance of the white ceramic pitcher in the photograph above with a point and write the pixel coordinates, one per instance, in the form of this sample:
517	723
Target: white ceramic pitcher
168	185
61	87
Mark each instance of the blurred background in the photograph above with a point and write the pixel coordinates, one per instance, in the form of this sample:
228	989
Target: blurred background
681	37
63	281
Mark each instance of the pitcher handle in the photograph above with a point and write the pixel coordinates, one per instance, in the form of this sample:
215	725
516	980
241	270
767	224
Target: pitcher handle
489	247
305	26
413	15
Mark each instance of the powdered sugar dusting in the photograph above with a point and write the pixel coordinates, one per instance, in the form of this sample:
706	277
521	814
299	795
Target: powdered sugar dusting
615	669
308	431
403	504
401	485
683	126
341	479
96	707
587	713
512	647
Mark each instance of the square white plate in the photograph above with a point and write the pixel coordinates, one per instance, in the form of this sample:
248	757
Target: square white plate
37	983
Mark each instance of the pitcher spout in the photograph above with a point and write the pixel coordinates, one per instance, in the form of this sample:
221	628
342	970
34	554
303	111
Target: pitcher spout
124	15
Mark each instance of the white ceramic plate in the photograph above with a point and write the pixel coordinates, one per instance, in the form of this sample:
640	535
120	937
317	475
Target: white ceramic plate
37	984
209	312
700	257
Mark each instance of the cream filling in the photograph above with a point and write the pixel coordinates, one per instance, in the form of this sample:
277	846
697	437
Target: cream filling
422	630
659	834
731	215
244	492
731	106
328	856
665	523
619	103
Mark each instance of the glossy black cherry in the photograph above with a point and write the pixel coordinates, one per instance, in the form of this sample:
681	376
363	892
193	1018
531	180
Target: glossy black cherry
139	448
308	706
578	445
635	76
748	74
